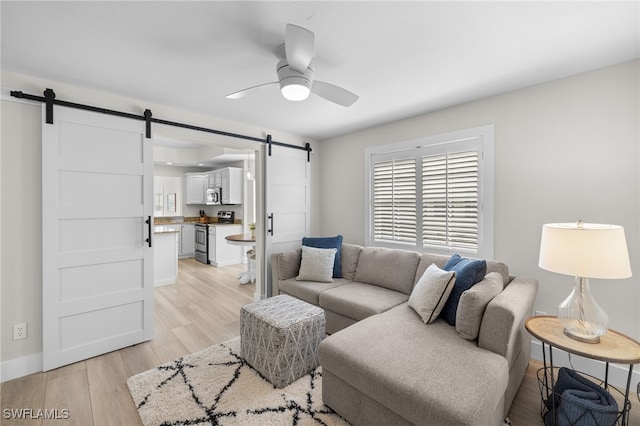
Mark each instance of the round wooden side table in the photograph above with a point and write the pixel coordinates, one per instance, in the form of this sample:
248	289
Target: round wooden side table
613	347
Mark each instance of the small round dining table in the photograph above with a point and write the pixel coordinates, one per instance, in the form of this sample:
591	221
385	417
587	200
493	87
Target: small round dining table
245	240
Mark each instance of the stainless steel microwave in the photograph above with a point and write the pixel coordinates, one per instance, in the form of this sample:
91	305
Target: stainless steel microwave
214	196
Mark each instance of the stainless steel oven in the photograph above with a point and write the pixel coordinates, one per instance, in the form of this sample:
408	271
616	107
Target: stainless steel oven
202	239
202	235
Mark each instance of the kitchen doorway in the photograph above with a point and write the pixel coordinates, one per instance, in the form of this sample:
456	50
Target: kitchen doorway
180	153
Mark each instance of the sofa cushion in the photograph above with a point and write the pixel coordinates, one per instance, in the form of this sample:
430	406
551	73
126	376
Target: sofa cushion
427	259
350	256
499	267
431	293
316	264
473	302
328	242
288	263
309	291
419	371
468	272
358	300
390	268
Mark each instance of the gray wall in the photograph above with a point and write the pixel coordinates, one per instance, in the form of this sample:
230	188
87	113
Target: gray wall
565	150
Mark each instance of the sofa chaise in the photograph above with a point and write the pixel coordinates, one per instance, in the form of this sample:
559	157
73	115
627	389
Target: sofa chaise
382	364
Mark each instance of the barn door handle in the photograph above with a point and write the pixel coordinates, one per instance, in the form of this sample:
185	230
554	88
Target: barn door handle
270	230
148	222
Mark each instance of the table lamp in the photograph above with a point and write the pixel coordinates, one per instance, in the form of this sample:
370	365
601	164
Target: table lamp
584	250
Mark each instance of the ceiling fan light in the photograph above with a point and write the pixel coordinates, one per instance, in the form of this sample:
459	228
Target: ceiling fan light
295	92
295	88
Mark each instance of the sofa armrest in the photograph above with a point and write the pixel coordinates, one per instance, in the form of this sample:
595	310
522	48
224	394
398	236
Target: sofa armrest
284	265
502	326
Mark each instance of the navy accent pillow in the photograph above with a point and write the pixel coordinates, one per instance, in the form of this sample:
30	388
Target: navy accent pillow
468	273
328	242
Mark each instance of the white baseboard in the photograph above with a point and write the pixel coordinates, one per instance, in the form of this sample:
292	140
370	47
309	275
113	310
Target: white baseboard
618	373
165	281
19	367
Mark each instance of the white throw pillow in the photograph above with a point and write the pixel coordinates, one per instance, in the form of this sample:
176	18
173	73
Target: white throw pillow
431	292
316	264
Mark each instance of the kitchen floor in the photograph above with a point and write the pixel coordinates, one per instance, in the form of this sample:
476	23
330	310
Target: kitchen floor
203	307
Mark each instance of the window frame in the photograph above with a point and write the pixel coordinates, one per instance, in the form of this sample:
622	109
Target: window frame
482	138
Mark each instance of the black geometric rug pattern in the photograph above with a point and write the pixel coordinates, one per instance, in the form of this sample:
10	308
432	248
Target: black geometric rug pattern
217	387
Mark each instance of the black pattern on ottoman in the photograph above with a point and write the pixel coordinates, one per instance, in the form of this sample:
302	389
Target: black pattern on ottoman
280	336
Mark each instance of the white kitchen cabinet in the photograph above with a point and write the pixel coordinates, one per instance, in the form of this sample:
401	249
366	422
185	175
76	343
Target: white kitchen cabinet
195	186
228	179
215	179
165	254
187	240
231	183
222	253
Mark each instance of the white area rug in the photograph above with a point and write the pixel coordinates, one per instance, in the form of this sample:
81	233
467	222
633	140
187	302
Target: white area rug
217	387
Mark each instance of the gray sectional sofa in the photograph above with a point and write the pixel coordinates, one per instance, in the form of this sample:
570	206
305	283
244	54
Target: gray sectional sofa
383	365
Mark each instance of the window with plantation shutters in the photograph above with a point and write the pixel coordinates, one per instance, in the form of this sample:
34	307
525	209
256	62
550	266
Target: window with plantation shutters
433	195
450	201
394	200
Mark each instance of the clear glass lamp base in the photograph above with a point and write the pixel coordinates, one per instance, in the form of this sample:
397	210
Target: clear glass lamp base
583	319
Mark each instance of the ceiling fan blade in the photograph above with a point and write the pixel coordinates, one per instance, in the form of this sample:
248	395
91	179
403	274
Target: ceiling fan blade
334	93
250	91
299	47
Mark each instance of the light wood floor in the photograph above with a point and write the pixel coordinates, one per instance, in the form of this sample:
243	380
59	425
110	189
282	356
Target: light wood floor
200	310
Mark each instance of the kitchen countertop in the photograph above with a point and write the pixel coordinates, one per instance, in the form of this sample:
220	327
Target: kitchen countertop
191	220
164	230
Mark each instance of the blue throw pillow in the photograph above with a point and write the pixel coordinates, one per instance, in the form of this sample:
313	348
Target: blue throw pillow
328	242
468	273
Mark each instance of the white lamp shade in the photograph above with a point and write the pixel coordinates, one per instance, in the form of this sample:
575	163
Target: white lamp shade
588	250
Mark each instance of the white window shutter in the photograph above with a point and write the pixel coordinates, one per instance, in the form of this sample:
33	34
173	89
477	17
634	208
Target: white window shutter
394	200
434	200
450	201
462	177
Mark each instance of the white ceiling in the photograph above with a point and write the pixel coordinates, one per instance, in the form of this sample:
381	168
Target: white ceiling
402	58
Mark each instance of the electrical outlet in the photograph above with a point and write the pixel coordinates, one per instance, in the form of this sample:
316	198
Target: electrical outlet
20	331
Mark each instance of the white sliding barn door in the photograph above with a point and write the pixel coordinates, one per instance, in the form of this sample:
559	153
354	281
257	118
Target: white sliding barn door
97	187
287	201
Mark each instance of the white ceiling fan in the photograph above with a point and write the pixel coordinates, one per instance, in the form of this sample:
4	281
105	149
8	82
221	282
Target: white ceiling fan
295	73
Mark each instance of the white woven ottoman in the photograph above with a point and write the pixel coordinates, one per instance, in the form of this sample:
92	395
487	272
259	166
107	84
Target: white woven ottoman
279	337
